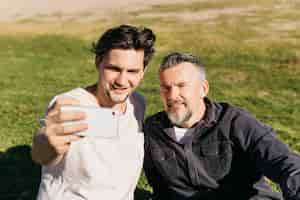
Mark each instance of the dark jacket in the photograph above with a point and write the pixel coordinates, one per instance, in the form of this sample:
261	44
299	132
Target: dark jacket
227	157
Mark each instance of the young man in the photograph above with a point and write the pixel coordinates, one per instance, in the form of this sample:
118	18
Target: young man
94	167
199	149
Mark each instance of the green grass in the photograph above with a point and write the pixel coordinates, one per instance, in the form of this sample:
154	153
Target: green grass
251	60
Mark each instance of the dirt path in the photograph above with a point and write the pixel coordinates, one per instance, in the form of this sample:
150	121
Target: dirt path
11	10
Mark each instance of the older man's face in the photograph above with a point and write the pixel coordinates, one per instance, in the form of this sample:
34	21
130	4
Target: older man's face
182	92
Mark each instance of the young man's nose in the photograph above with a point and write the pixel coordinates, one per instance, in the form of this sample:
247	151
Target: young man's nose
122	79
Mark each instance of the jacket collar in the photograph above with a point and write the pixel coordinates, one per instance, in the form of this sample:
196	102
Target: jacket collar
211	113
209	119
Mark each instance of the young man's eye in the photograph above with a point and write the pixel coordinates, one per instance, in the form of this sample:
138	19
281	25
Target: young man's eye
112	68
133	71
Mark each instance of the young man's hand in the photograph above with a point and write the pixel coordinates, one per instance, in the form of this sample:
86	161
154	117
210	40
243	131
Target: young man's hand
53	139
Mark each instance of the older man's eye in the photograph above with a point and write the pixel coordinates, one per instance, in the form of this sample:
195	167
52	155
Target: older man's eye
181	85
164	88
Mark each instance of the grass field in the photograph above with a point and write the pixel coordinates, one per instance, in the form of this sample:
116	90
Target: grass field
251	50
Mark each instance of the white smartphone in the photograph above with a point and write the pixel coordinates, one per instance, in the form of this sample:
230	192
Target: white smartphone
102	122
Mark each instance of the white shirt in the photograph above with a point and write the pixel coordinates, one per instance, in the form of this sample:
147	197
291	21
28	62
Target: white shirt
179	133
98	168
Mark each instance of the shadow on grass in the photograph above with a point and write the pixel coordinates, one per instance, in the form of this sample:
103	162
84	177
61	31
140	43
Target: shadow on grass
141	194
19	176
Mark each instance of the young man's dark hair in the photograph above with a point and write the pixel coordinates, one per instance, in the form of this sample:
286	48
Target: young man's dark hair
126	37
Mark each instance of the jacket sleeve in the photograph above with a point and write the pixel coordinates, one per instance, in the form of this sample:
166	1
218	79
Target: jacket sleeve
271	157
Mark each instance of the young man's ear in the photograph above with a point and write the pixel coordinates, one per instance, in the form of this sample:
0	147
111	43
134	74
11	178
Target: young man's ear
97	61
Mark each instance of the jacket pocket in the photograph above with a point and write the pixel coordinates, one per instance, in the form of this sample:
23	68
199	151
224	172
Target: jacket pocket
165	161
216	157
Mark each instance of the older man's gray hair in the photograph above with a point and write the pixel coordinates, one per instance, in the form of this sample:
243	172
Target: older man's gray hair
176	58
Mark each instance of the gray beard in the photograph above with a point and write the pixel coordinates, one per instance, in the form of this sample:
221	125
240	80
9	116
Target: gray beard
179	119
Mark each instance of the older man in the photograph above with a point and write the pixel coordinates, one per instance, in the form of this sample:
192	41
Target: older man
199	149
90	167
